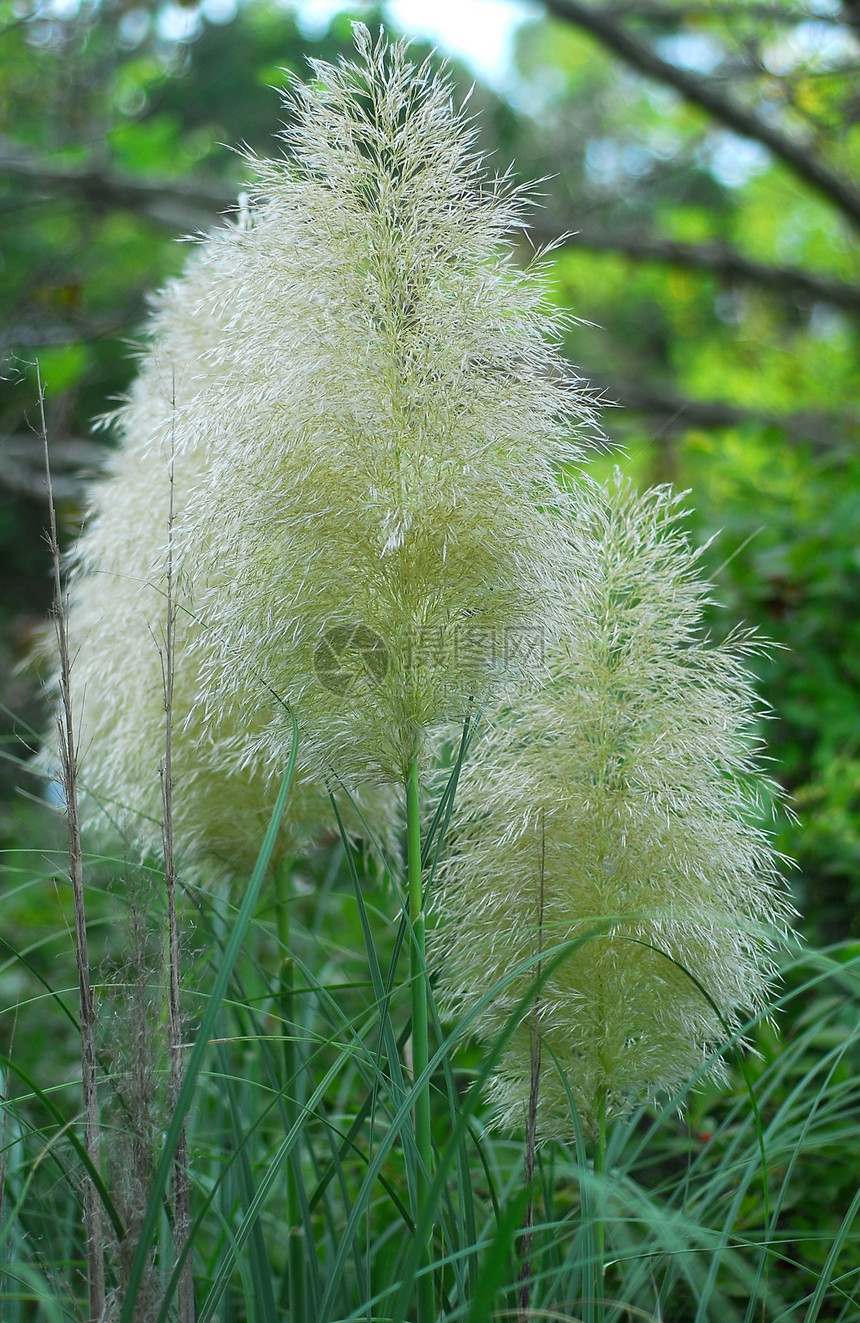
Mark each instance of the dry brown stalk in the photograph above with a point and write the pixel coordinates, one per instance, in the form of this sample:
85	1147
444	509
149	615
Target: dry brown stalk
181	1188
531	1124
68	760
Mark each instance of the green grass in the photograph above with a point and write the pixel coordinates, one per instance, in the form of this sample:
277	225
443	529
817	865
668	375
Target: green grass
304	1163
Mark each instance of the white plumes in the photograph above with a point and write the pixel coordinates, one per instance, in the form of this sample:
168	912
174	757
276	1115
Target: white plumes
621	799
386	419
360	400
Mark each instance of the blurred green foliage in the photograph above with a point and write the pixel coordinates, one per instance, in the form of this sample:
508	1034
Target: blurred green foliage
778	484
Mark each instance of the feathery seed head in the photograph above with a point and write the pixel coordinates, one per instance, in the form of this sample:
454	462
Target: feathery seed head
387	416
620	800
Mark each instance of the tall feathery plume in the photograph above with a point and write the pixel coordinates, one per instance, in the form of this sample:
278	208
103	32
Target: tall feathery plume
366	413
388	416
620	800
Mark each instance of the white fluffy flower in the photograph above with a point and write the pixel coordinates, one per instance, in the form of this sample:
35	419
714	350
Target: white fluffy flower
624	794
386	419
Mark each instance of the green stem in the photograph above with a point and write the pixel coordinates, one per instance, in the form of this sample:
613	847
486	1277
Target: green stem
599	1171
420	1049
286	1003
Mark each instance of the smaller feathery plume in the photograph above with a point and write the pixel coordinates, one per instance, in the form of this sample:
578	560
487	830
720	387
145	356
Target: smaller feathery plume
621	800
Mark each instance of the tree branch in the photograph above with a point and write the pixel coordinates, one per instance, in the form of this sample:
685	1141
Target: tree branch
674	13
706	94
73	461
51	331
175	203
825	430
851	12
186	204
191	202
718	257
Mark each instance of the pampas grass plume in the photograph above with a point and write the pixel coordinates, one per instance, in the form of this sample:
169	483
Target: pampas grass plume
387	413
361	401
621	800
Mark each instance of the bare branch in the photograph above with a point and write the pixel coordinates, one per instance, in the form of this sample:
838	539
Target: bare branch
718	257
175	203
195	202
738	10
825	431
22	472
707	94
851	14
46	332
